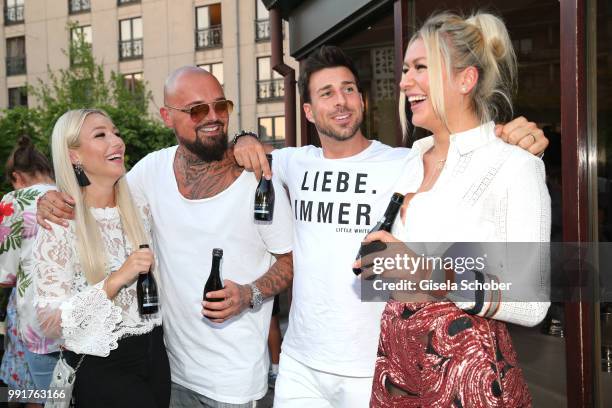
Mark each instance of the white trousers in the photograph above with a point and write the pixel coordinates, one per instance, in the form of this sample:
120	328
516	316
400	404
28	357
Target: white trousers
299	386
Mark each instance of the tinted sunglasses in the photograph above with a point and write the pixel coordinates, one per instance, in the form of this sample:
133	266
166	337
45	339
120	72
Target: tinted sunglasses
201	110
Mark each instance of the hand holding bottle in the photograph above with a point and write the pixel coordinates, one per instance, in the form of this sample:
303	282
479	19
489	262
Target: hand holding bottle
391	249
364	263
235	298
138	262
384	224
146	291
395	261
250	153
264	198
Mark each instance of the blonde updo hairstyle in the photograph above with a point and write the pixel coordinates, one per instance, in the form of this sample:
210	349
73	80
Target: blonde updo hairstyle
454	43
90	248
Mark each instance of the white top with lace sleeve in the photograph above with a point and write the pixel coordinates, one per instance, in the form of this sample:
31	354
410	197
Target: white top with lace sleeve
80	313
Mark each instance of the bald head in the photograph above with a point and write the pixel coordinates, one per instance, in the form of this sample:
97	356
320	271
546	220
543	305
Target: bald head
184	77
203	133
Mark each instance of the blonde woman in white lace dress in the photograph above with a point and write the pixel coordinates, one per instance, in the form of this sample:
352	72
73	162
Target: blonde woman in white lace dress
85	274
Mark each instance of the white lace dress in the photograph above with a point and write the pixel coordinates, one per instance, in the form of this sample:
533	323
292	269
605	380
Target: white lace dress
69	309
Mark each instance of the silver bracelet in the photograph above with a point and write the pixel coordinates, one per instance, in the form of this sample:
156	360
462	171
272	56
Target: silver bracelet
244	133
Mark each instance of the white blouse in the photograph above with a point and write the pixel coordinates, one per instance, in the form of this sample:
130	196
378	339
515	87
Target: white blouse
71	309
488	191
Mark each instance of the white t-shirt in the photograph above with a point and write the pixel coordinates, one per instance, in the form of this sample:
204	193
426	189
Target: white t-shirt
335	203
226	362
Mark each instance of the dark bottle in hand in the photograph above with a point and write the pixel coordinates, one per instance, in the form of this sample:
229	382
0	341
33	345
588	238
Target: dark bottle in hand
384	224
264	197
214	281
146	292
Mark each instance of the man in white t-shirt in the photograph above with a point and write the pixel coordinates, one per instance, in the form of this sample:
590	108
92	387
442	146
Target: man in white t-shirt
337	193
201	199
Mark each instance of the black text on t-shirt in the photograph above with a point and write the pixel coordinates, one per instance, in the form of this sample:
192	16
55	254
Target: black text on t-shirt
339	212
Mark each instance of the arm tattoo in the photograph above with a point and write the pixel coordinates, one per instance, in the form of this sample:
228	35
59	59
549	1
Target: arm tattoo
201	179
279	276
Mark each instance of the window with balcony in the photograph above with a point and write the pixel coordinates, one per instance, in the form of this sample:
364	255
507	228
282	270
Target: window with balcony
79	6
272	130
15	56
17	97
208	27
130	45
215	68
122	2
262	22
132	81
80	42
13	12
270	84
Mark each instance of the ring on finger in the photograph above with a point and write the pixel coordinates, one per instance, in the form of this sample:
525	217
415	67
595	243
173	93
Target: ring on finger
534	138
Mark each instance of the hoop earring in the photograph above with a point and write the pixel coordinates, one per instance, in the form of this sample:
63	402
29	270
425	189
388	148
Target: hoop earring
81	177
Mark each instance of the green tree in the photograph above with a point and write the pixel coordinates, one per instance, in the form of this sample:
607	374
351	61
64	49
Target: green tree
84	85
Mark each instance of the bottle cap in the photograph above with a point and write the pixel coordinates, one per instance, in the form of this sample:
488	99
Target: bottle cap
218	252
398	198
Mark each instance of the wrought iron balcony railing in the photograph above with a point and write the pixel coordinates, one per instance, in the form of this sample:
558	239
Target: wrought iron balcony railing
122	2
13	15
79	6
15	65
211	37
130	49
262	30
270	89
77	56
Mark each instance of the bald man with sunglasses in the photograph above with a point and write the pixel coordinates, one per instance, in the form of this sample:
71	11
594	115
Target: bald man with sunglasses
200	199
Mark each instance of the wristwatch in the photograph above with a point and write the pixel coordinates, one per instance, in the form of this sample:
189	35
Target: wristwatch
243	133
256	296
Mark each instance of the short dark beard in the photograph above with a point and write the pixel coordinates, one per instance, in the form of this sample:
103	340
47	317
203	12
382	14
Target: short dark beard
335	135
207	153
340	137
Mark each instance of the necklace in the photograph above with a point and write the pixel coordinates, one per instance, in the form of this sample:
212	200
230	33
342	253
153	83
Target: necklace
432	177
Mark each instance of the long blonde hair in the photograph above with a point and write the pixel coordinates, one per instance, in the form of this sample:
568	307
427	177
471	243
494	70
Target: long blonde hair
90	248
454	43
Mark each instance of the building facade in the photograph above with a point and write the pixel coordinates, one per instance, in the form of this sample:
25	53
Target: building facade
146	40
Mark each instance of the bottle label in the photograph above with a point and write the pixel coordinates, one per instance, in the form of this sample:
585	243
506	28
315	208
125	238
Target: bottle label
262	209
148	301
